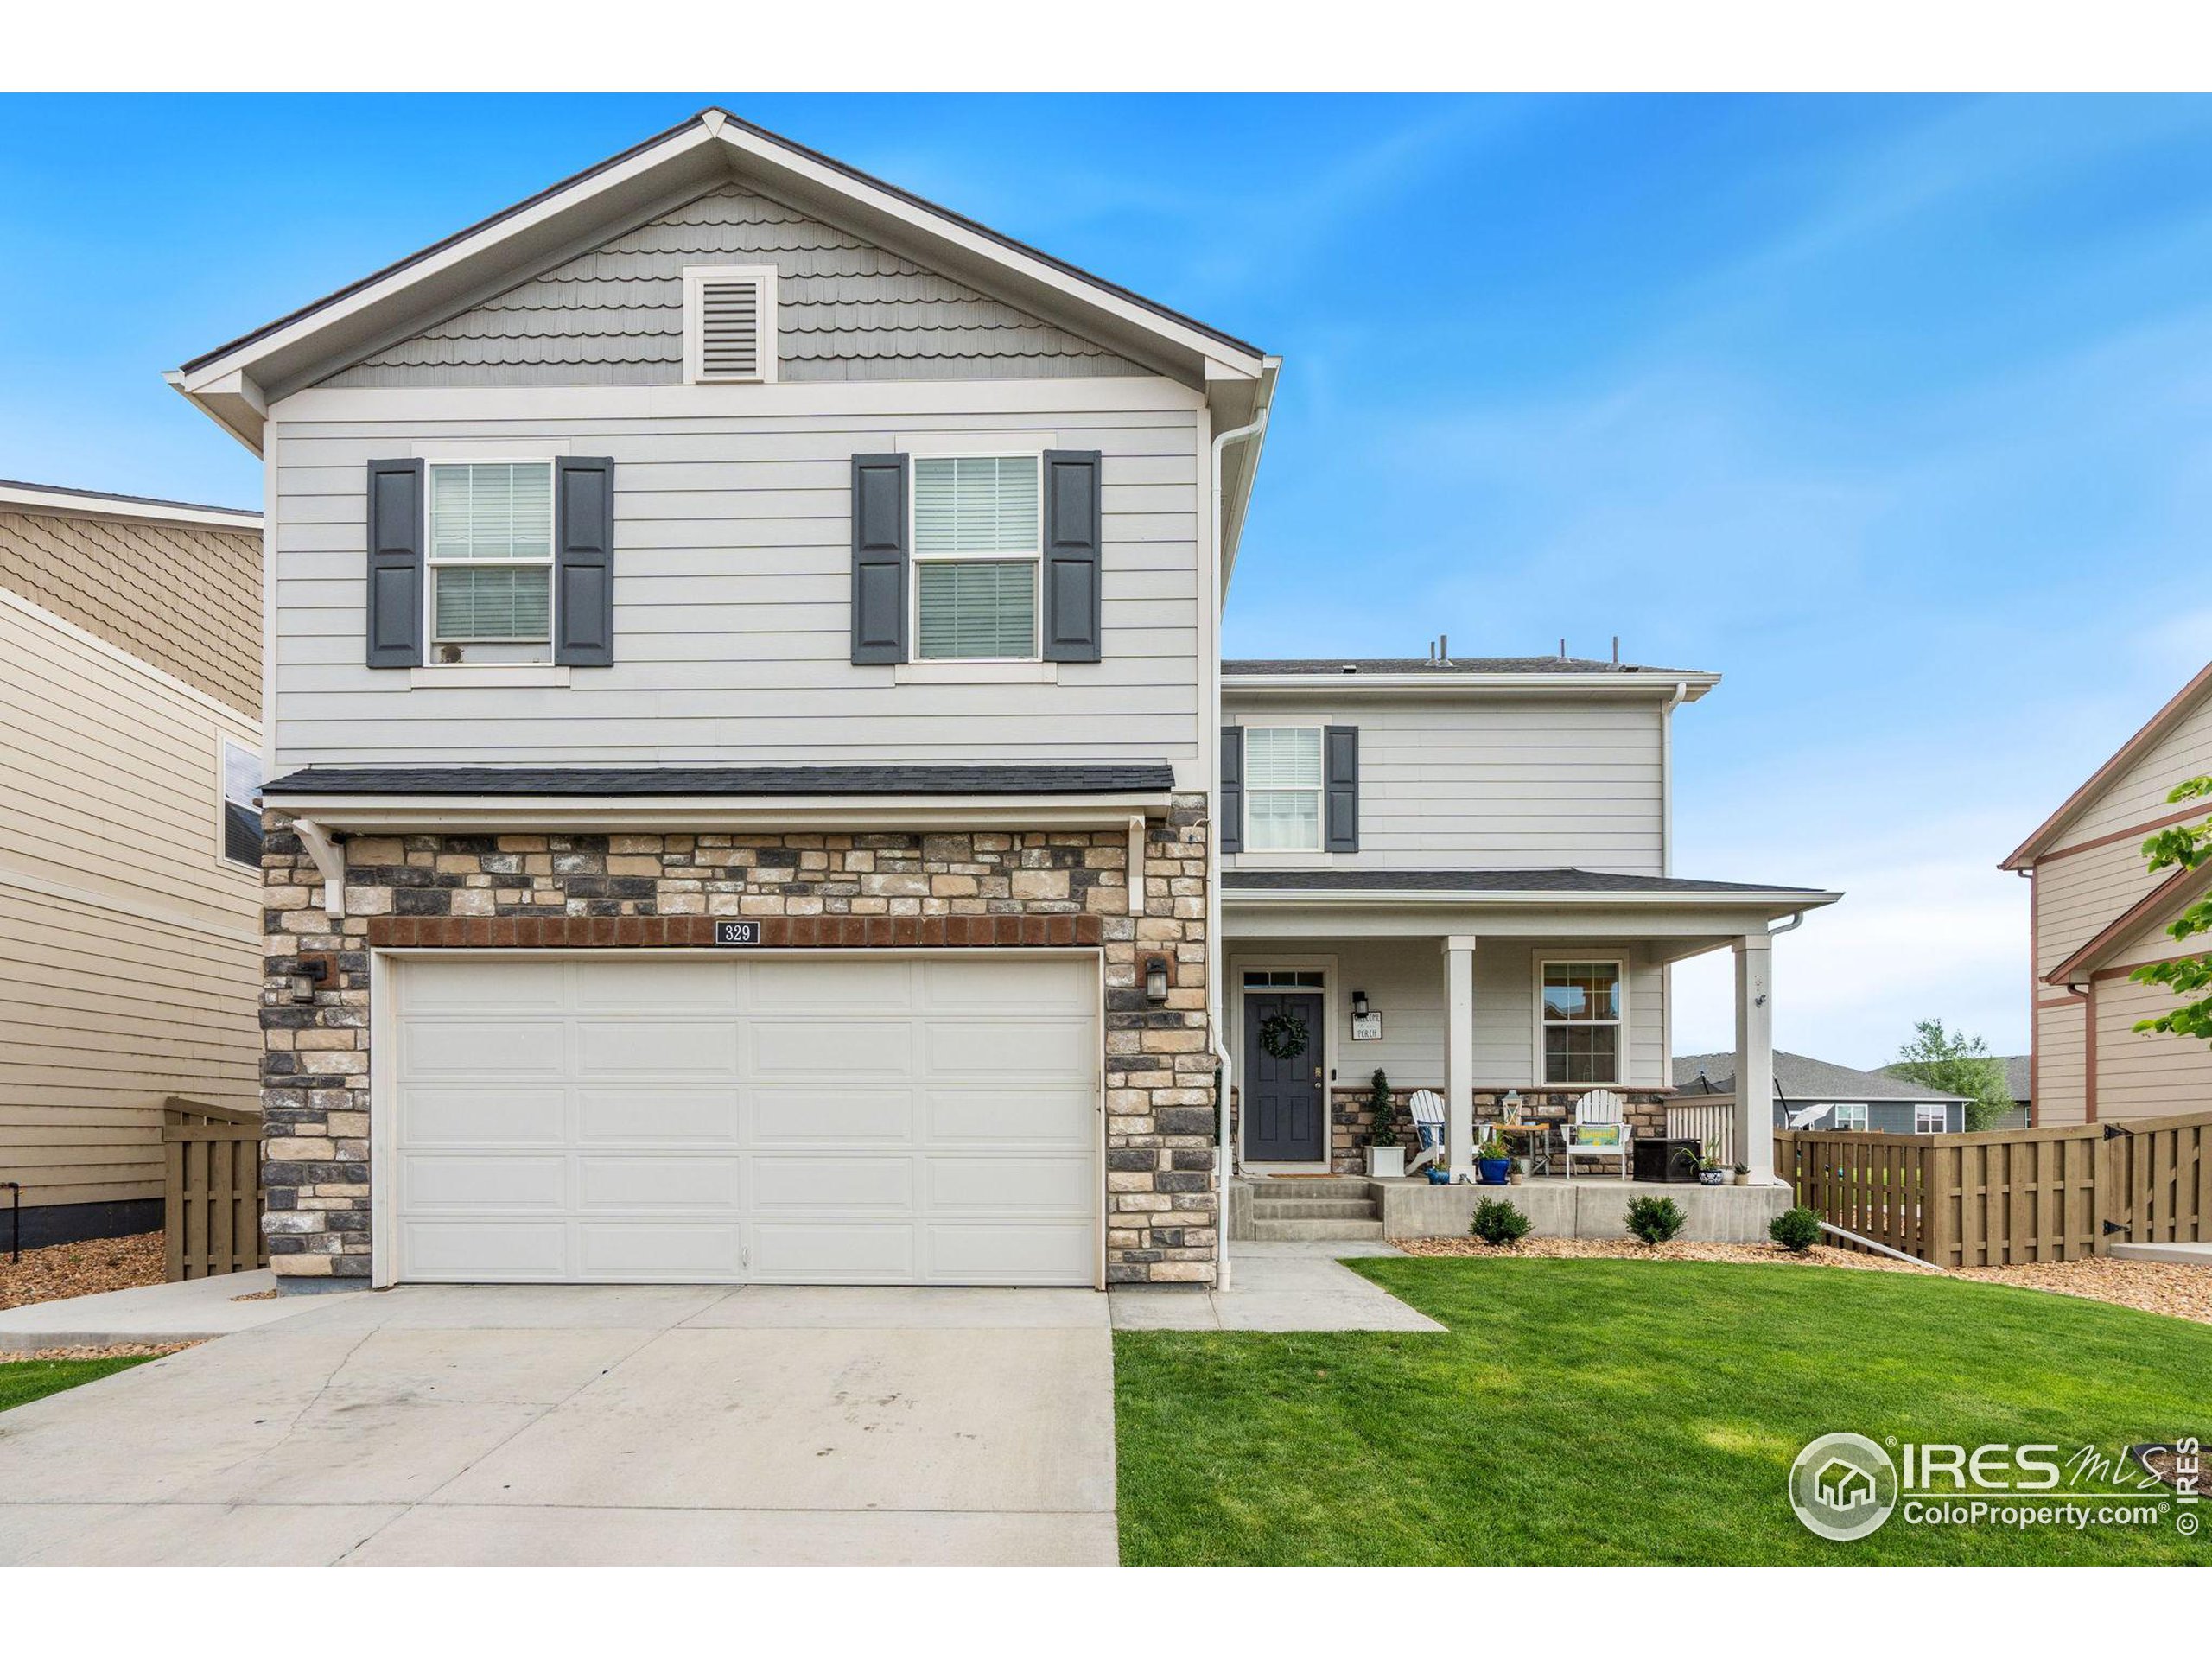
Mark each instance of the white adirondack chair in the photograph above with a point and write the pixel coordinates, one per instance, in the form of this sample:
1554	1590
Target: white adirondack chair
1599	1130
1428	1122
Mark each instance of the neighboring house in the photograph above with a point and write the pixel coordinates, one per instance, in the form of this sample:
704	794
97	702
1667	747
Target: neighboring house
130	842
1458	871
743	643
1810	1094
2020	1084
2095	914
743	800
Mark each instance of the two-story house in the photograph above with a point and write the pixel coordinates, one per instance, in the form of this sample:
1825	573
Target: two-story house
1457	871
130	953
2097	913
749	763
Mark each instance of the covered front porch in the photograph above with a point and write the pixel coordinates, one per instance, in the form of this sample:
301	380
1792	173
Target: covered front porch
1515	996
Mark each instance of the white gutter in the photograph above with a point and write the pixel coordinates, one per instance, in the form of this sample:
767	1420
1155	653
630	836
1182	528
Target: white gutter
1795	921
1578	899
1675	687
1216	958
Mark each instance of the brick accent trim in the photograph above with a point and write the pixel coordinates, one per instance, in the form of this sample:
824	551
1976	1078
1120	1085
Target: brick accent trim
794	932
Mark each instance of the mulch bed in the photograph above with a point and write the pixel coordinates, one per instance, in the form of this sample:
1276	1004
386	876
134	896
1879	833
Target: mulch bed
81	1269
114	1350
2168	1288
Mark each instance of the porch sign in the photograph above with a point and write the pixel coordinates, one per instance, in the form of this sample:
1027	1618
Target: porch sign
1366	1027
737	932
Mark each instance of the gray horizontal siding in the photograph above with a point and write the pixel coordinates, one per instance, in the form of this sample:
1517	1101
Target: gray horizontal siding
1502	783
845	311
732	605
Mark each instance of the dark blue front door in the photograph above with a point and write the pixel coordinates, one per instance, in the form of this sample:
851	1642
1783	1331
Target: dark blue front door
1283	1119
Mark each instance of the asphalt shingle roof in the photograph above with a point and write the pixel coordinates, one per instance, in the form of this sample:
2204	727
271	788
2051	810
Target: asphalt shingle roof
1142	779
1799	1077
1540	881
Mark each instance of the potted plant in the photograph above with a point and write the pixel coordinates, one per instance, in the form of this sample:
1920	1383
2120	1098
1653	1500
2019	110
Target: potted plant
1386	1153
1743	1175
1494	1162
1709	1170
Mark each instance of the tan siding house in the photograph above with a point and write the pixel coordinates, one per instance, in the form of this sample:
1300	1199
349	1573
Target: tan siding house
2097	913
130	913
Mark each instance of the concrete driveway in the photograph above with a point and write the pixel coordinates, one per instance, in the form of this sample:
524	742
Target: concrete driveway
591	1425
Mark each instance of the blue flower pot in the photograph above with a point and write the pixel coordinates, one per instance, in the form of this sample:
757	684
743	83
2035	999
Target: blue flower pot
1494	1170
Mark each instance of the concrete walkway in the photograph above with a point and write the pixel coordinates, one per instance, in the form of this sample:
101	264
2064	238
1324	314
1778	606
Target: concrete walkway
1298	1285
184	1311
557	1426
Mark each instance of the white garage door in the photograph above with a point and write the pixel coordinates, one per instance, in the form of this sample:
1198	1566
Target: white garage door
779	1120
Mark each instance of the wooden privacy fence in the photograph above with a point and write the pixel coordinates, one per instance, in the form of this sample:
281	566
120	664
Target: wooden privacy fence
2013	1196
212	1189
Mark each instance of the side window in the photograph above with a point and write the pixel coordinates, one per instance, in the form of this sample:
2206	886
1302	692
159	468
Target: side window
491	559
241	805
977	547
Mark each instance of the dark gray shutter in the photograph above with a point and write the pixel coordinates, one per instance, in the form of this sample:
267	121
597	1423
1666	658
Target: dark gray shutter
583	560
1072	533
1231	806
880	558
395	597
1340	762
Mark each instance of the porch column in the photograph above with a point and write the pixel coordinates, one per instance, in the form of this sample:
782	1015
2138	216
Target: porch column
1460	1053
1755	1056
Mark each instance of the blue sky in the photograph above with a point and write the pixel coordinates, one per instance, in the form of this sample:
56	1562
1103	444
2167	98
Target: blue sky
1897	412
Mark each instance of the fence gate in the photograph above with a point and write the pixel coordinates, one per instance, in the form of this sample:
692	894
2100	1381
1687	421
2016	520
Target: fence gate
212	1189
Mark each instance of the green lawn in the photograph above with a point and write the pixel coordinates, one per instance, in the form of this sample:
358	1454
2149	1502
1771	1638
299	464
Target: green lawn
1602	1411
22	1381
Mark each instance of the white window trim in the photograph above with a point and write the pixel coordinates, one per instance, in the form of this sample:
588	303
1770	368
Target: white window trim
1837	1109
1622	1067
1326	966
432	563
1320	793
915	556
696	278
224	744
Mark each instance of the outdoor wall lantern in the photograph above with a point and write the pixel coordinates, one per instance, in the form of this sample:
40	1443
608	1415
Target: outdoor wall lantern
307	972
1155	979
1511	1106
1359	1005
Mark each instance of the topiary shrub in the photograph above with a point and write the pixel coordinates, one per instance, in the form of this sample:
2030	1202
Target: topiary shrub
1499	1222
1384	1130
1655	1220
1797	1230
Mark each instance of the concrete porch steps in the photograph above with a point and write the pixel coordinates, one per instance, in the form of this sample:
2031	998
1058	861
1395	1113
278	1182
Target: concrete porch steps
1286	1212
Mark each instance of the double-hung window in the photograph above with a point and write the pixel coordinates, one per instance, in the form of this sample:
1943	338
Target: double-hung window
241	805
977	536
1930	1120
1850	1116
1282	789
491	559
1582	1021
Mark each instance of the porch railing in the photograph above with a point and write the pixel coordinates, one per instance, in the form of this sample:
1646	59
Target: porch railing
1708	1122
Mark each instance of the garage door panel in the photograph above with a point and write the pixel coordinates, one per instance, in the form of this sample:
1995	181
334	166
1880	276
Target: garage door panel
983	1186
1038	1253
469	1181
496	1050
616	1050
693	1182
510	1116
1042	1116
658	1113
790	1049
792	1120
649	1252
833	1116
487	1251
987	1049
830	1182
835	1250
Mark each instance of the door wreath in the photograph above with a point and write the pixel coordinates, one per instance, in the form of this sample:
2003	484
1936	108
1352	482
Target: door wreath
1284	1036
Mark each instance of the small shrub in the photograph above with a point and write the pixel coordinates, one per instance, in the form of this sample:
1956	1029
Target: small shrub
1655	1220
1499	1222
1384	1132
1797	1230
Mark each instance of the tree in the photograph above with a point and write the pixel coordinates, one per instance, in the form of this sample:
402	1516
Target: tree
1955	1064
2186	846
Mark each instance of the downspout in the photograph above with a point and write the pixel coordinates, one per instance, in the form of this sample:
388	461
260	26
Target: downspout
1667	848
1216	959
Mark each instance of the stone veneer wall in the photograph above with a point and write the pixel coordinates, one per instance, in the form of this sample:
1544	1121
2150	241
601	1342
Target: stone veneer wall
1645	1109
895	889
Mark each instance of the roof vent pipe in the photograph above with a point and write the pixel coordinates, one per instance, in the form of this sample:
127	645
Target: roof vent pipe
1443	647
1616	650
1562	650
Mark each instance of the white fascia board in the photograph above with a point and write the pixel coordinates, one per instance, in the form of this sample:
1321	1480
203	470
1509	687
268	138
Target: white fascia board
1399	898
54	503
526	814
1654	684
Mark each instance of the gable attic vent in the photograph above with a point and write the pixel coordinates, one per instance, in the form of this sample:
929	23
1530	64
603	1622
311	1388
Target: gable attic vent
729	322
